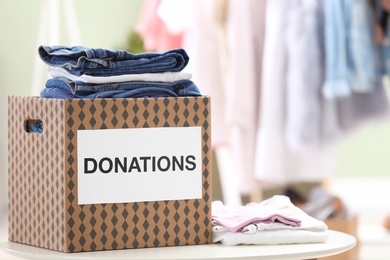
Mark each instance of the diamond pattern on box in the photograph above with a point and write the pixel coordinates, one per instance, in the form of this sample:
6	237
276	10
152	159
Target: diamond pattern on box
43	182
36	166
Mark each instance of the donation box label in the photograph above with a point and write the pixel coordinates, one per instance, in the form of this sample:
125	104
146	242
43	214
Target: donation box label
139	164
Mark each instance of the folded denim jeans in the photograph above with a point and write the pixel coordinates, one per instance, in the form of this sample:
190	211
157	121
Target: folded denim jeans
79	60
65	89
136	93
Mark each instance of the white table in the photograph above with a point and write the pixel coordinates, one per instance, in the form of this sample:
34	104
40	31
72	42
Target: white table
337	243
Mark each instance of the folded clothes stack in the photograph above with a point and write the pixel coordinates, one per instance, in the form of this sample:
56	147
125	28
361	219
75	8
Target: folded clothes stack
272	221
80	72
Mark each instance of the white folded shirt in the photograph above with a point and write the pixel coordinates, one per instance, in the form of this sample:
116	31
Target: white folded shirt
58	72
229	217
270	237
310	230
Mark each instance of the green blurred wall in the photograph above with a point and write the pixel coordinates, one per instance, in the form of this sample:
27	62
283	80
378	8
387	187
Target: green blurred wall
365	152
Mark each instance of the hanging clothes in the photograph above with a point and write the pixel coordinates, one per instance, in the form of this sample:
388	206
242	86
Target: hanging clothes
245	31
285	88
153	30
352	62
353	65
311	121
276	163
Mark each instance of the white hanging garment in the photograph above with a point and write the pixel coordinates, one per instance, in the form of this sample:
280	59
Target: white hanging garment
245	30
311	121
276	163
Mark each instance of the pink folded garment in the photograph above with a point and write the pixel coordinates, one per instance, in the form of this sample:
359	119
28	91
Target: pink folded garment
276	209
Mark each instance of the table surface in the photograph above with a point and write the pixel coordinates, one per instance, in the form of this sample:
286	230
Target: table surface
337	243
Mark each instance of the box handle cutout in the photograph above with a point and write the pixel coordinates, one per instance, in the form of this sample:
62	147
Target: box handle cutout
33	126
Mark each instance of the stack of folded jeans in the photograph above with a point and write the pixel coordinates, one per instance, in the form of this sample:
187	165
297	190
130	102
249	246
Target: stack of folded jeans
80	72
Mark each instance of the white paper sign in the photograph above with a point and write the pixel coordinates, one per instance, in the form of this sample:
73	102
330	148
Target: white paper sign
139	164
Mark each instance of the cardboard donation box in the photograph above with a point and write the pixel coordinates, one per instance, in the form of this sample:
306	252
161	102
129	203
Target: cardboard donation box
109	173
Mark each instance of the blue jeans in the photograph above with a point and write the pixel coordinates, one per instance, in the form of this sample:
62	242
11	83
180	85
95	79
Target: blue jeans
80	60
64	89
351	55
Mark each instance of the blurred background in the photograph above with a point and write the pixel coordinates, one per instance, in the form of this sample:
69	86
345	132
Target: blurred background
250	63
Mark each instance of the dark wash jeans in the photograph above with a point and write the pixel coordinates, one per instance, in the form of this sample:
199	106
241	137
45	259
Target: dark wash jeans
80	60
64	89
